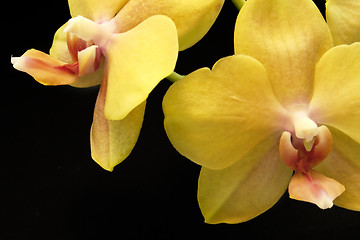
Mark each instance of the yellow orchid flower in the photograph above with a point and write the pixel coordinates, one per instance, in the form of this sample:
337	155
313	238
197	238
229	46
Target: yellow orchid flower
128	46
287	101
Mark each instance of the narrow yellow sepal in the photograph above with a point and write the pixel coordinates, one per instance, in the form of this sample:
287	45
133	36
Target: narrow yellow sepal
112	141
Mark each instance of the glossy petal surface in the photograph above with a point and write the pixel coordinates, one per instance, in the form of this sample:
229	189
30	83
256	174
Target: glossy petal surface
247	188
44	68
112	141
336	99
216	117
343	18
193	19
137	61
343	165
288	37
96	10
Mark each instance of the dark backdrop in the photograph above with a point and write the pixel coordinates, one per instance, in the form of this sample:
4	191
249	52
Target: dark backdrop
51	189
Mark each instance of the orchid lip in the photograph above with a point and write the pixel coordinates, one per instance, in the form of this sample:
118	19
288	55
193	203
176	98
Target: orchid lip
315	188
307	184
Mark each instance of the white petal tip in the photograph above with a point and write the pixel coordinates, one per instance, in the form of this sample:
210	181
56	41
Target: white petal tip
14	60
324	202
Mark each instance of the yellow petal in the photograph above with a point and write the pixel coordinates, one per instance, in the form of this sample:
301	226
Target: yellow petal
247	188
315	188
96	10
44	68
215	117
112	141
193	19
288	37
59	48
343	165
90	80
336	90
137	61
343	18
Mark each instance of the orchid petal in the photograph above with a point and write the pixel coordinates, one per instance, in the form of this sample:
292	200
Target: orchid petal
96	10
343	18
336	99
315	188
59	48
137	61
343	165
193	19
215	117
247	188
112	141
288	37
44	68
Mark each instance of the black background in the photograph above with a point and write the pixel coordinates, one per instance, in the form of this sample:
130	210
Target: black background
51	188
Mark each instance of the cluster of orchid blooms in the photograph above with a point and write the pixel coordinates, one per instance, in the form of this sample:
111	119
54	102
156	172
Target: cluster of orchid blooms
282	113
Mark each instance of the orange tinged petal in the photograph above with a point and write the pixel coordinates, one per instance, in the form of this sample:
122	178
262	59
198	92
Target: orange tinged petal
315	188
45	69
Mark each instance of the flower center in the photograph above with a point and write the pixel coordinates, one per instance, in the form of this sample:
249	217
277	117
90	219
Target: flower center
301	148
301	157
85	39
306	145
